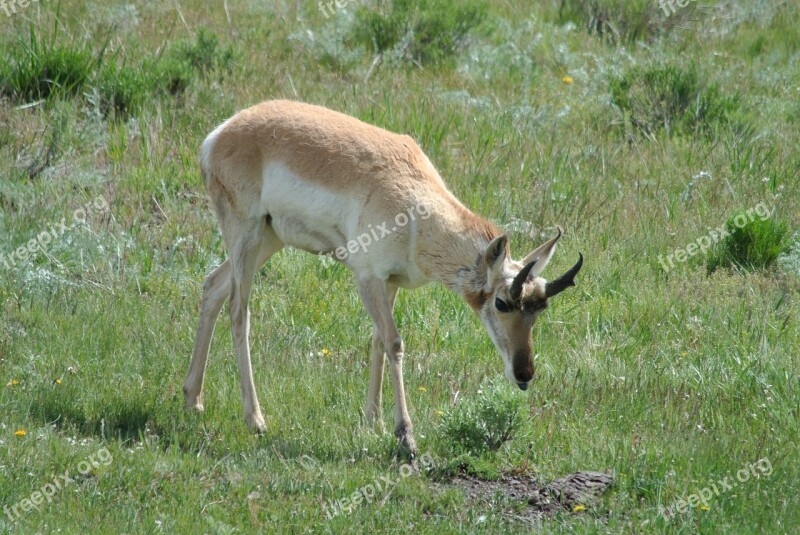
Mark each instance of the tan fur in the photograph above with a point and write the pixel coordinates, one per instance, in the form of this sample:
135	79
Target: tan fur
321	145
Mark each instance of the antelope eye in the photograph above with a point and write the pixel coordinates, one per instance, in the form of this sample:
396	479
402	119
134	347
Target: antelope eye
501	305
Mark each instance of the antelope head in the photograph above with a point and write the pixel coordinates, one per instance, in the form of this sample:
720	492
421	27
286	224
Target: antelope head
513	297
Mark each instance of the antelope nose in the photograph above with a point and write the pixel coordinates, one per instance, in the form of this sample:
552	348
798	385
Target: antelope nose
522	386
523	369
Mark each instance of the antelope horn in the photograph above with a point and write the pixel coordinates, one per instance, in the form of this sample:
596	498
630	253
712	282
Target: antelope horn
520	279
566	280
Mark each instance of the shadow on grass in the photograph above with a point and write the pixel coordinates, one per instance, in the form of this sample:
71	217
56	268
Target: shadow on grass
129	417
360	447
121	419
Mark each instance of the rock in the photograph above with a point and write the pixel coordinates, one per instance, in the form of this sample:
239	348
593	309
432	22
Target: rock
580	488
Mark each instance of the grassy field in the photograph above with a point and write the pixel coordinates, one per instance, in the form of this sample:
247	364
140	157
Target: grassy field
641	131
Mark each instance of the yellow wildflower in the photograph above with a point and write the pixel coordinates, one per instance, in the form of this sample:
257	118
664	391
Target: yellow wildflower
440	413
12	382
578	508
58	381
20	432
567	80
422	389
325	351
704	508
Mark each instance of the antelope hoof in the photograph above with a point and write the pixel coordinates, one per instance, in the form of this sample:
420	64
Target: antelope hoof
194	403
374	422
256	423
407	443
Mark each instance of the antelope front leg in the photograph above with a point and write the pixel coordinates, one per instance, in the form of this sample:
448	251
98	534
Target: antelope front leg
402	423
372	409
378	302
250	252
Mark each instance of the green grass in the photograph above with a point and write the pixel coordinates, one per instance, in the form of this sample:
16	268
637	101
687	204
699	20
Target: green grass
672	379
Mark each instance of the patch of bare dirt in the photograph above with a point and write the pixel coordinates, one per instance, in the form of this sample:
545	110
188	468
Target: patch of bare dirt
526	499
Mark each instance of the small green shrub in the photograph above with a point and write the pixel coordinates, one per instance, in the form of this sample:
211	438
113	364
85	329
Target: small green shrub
486	422
672	99
122	90
173	73
625	21
38	70
171	76
204	55
428	31
379	30
752	246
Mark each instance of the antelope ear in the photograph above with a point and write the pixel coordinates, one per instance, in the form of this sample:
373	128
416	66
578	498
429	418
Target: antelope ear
496	252
543	253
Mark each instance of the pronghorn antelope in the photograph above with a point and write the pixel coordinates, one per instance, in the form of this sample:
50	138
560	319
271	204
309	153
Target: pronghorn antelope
286	173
